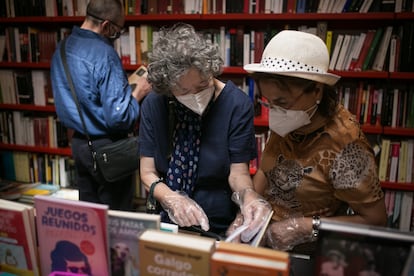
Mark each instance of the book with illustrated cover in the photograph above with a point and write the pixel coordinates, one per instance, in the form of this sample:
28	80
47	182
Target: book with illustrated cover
363	249
18	252
124	229
72	235
174	254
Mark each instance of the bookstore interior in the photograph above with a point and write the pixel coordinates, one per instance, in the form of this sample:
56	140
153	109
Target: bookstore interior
370	47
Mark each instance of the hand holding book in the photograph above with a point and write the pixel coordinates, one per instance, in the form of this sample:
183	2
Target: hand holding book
255	210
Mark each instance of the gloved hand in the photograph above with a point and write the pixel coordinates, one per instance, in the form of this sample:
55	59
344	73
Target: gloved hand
237	222
254	208
184	211
286	234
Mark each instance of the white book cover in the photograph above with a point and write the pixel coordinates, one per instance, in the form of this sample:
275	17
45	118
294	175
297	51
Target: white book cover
39	83
353	44
358	47
132	47
246	48
406	211
365	6
322	6
67	6
343	51
393	53
335	53
379	60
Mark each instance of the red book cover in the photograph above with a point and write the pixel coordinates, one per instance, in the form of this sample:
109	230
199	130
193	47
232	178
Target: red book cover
370	103
258	46
359	97
246	6
364	51
72	235
291	6
260	6
177	6
18	253
137	7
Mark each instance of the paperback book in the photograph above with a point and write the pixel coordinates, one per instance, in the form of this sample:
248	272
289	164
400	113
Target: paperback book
72	236
124	231
165	253
18	253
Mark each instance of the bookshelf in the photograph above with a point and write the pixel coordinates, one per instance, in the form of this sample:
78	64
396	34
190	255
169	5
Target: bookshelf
347	21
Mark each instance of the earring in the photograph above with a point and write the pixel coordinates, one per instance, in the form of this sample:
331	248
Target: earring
318	102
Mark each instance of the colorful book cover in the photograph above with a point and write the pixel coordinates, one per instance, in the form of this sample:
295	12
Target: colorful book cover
124	229
174	254
72	236
17	239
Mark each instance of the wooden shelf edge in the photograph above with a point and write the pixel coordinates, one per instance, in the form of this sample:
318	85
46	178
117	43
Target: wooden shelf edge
37	149
28	107
223	16
397	186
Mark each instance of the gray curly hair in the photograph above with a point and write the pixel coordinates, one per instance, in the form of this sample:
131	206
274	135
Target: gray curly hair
177	50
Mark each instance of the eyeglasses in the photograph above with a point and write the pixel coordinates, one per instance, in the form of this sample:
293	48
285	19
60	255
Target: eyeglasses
117	34
273	106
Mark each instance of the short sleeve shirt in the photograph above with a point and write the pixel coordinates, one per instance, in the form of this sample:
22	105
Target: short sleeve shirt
331	167
227	136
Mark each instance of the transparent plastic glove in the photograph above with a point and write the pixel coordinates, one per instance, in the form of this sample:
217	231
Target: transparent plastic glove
254	208
237	222
286	234
184	211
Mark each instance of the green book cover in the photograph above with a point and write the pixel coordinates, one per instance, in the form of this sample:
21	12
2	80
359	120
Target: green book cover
372	49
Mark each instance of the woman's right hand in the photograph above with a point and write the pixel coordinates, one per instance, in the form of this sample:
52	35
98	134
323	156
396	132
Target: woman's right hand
184	211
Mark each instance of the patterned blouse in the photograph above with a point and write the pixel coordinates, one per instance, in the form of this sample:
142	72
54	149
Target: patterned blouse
329	165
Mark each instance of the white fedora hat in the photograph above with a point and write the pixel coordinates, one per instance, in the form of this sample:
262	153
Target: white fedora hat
296	54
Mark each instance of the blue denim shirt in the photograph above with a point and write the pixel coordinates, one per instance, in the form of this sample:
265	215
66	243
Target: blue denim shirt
100	82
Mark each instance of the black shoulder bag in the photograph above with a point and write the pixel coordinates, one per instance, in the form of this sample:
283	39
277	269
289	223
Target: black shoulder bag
116	160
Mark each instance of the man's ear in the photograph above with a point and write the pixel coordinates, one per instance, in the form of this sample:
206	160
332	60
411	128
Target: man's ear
105	27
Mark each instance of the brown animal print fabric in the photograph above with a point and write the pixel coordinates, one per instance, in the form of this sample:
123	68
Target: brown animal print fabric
328	165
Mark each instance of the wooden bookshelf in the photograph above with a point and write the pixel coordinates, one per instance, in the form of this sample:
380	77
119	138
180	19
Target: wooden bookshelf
336	21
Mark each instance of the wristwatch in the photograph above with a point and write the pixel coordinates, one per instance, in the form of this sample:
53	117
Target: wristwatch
316	222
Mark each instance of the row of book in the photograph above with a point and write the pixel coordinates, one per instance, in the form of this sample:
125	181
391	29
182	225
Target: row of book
25	128
26	87
12	8
381	49
377	104
29	44
29	167
396	161
400	210
93	240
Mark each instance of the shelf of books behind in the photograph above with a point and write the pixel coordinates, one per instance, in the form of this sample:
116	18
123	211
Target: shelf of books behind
369	44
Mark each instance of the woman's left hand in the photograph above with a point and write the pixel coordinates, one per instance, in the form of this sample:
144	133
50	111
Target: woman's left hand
255	210
286	234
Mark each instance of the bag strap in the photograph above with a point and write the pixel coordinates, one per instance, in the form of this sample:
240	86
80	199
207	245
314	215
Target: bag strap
72	89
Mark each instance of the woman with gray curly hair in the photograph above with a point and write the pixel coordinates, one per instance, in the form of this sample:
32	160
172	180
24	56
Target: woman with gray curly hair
197	138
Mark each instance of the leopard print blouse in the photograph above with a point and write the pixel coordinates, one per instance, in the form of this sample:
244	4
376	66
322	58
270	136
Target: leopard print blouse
332	166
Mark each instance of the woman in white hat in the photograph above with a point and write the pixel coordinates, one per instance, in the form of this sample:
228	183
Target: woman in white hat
317	162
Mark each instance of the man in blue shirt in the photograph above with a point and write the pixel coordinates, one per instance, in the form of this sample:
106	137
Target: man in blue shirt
109	105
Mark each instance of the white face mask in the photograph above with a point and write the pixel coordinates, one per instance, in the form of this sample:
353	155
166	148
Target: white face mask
197	102
283	121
